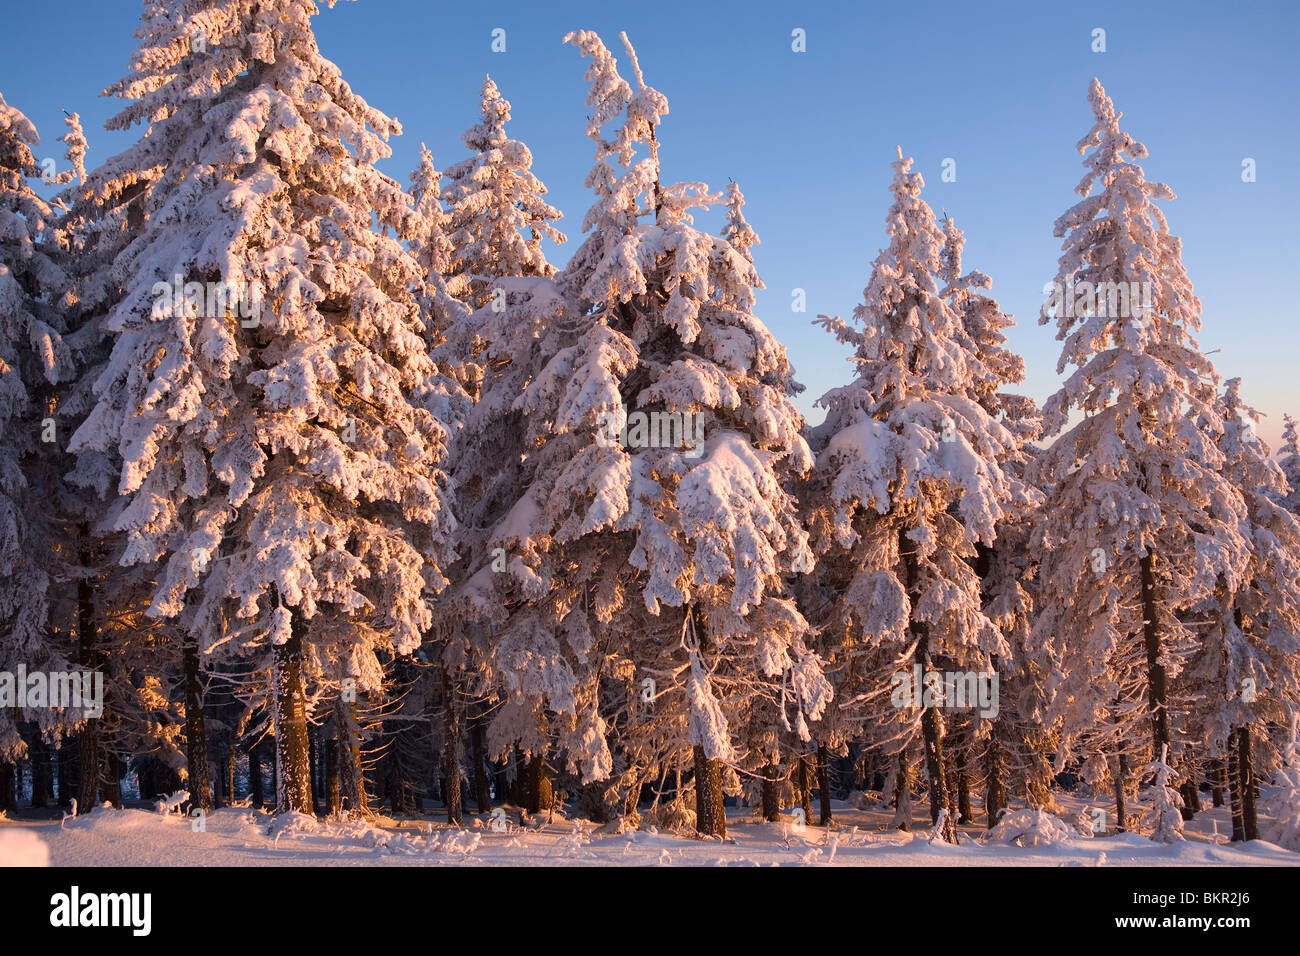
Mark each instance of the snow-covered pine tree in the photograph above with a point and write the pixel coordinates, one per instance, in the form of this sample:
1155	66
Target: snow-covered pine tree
497	217
1139	521
279	465
1015	741
1166	820
1283	827
654	314
1245	678
1288	457
33	360
909	480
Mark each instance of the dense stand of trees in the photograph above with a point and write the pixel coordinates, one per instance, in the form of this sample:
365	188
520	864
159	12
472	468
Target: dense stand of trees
358	502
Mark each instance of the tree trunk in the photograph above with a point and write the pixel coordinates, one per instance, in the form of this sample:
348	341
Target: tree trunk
1234	787
196	739
88	784
965	812
111	777
293	771
931	721
539	785
69	762
805	788
1157	692
710	814
932	731
995	791
352	779
1191	799
1216	782
824	785
519	783
333	788
1121	812
451	751
8	790
771	795
228	767
1246	773
903	794
501	780
481	790
256	792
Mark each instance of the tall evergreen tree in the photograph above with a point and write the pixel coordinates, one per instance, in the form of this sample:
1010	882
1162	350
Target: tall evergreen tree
910	478
1140	520
497	217
278	461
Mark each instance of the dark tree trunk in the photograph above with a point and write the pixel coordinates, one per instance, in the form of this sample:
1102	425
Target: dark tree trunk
964	809
293	784
228	768
1217	782
539	786
932	731
8	788
333	788
69	764
710	813
804	787
931	721
903	794
148	777
88	784
111	779
1234	787
1246	774
396	779
481	790
352	778
501	780
255	789
519	785
1157	692
196	738
451	751
771	795
317	772
995	791
1121	812
1191	799
824	785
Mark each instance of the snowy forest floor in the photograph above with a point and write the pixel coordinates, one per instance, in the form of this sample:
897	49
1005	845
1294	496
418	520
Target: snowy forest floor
860	837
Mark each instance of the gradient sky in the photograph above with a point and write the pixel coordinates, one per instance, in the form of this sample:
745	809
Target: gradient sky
1001	88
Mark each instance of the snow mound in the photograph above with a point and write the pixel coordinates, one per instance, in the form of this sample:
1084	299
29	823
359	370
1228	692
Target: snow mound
292	823
674	815
22	848
1029	828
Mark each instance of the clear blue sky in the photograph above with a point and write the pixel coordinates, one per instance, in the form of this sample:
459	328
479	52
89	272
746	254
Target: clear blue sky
998	87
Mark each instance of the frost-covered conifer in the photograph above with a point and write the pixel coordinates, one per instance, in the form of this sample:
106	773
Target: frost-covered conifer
1140	520
1288	457
497	217
33	360
909	479
658	429
269	379
1244	679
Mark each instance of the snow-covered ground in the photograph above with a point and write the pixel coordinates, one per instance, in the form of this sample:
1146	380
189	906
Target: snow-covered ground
861	837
